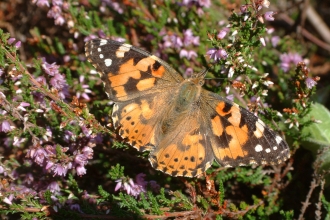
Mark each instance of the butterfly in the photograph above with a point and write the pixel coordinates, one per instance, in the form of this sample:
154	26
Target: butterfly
184	126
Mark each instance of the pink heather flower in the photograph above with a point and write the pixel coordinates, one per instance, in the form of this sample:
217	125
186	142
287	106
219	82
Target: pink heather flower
310	83
81	159
88	152
57	2
54	187
49	165
204	3
11	40
269	16
18	44
41	3
85	89
28	178
2	170
8	199
50	69
76	207
59	169
188	54
5	126
18	141
54	12
22	105
40	155
275	40
81	170
59	20
172	41
288	59
58	81
217	54
223	33
189	38
243	8
189	71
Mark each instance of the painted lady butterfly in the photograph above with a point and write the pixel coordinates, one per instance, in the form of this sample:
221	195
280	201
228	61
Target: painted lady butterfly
184	126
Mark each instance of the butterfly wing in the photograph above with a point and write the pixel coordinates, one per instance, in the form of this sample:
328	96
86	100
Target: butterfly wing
139	84
238	137
129	72
185	150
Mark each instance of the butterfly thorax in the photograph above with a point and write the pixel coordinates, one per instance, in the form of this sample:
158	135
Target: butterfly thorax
184	102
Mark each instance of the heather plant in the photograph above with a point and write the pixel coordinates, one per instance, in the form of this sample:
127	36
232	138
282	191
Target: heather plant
61	157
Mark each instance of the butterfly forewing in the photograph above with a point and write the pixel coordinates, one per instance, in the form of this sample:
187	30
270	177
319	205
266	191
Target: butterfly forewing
238	137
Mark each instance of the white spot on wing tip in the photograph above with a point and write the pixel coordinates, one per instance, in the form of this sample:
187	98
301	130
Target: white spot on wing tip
268	150
103	42
278	139
258	148
101	56
108	62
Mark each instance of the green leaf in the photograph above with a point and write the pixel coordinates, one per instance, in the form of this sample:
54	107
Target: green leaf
318	133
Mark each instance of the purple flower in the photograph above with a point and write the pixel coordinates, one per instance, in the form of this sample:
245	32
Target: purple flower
81	170
54	12
58	81
243	8
217	54
275	40
310	83
288	59
189	71
76	207
172	41
269	16
57	2
50	69
41	3
188	54
60	170
18	44
11	40
223	33
189	38
54	187
5	126
204	3
8	199
85	89
40	155
59	20
81	159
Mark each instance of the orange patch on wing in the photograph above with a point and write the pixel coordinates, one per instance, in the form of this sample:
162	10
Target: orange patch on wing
133	129
159	72
144	64
120	91
235	117
145	84
186	157
146	111
234	149
126	71
217	127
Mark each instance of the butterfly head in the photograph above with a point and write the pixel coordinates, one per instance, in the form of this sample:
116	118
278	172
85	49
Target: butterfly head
198	78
